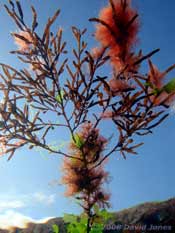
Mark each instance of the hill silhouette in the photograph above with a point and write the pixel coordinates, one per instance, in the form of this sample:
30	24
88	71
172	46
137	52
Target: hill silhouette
149	217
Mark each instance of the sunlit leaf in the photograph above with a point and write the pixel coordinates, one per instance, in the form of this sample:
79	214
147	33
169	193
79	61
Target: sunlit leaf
75	224
79	142
55	228
59	97
170	86
105	214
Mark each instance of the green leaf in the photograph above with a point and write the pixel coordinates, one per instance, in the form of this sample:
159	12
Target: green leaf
97	228
59	97
79	142
96	209
75	224
83	219
148	84
157	91
106	215
78	224
101	216
170	86
55	228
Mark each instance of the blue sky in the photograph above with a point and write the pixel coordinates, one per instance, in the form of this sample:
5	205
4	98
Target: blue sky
29	188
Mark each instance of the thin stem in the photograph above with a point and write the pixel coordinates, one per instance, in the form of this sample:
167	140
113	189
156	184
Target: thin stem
88	224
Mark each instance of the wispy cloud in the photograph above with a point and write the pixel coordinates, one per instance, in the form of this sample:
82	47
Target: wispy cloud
11	204
13	218
43	198
25	200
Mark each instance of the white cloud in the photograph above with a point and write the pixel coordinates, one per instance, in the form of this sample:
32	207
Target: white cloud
13	218
43	198
24	200
12	204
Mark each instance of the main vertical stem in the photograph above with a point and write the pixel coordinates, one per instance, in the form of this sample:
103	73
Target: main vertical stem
89	215
88	225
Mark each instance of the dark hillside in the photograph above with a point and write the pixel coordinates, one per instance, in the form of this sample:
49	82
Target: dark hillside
149	217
